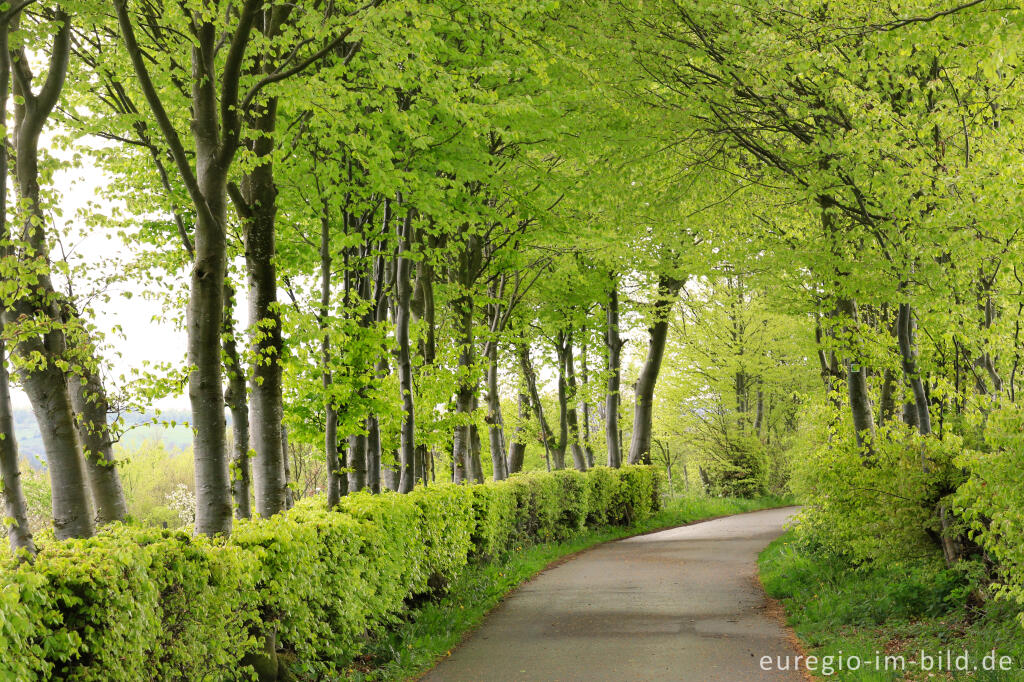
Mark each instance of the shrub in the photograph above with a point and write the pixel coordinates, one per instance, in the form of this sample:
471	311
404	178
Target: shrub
140	603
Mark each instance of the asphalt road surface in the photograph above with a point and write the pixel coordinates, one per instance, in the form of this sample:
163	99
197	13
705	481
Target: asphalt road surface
681	604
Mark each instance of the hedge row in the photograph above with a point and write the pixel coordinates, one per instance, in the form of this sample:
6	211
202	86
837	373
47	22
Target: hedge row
138	603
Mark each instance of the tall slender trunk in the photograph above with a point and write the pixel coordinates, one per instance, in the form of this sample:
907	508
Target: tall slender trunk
567	400
356	462
373	454
289	496
474	468
585	407
44	381
887	402
908	354
551	451
857	384
19	534
335	489
495	423
563	416
205	320
614	343
258	209
403	304
643	415
235	399
89	401
381	370
517	448
463	449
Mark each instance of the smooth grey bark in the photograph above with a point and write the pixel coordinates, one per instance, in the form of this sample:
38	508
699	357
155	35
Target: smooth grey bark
613	344
530	377
759	414
887	401
403	311
857	385
256	203
235	400
567	400
908	355
517	448
563	416
381	370
215	128
462	443
585	408
373	453
474	468
422	307
643	415
356	462
89	401
495	422
332	461
19	534
43	381
289	498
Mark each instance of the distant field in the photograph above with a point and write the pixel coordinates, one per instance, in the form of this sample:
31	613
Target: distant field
178	437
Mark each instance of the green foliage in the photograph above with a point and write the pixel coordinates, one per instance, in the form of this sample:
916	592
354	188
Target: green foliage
880	506
991	501
899	607
143	603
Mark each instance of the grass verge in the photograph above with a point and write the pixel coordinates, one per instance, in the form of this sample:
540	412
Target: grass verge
435	628
898	611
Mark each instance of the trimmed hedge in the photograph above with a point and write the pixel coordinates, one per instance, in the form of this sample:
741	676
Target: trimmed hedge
140	603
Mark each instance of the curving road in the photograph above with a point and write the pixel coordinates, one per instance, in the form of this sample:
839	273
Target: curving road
681	604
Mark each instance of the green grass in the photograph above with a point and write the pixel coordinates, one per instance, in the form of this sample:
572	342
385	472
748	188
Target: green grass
435	628
900	609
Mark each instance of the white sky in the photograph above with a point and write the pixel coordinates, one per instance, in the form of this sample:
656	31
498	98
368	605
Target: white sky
143	340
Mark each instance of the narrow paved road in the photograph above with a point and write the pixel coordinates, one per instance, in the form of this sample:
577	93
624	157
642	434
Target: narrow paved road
681	604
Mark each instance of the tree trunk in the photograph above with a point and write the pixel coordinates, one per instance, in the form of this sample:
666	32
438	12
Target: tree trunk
614	346
373	454
474	468
857	384
89	401
265	404
335	489
205	320
495	423
886	402
551	451
403	303
235	399
289	497
462	452
567	401
44	381
517	449
908	354
356	463
643	419
19	534
563	417
585	408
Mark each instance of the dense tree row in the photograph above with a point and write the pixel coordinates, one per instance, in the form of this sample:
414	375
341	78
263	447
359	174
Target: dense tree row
458	227
398	189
